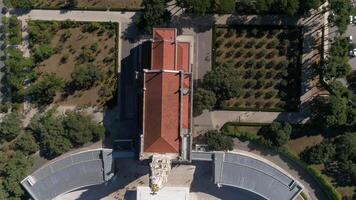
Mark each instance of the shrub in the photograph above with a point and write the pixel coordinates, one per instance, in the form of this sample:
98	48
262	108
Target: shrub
249	84
272	44
94	47
249	54
271	54
64	59
65	36
259	84
218	43
283	64
240	63
258	94
228	44
240	52
91	27
260	64
248	94
259	74
261	53
269	94
250	63
230	32
249	73
42	52
269	75
271	64
268	84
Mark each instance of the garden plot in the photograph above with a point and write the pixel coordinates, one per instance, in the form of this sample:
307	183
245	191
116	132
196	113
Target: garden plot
268	59
78	58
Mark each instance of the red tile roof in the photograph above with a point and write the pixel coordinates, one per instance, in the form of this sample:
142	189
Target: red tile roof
164	49
162	106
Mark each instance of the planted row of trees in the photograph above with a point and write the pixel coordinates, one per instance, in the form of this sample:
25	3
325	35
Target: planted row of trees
12	30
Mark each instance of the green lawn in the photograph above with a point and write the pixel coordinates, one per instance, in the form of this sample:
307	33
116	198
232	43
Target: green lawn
268	60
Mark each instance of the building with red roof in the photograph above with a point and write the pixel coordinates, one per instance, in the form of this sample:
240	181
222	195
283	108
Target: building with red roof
167	97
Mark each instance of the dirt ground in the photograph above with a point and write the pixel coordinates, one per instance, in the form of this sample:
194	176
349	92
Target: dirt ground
96	4
72	48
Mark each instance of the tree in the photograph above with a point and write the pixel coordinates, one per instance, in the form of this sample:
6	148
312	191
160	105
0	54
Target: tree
277	134
199	7
289	7
16	170
11	126
18	72
310	4
321	153
336	67
329	111
50	133
42	52
342	9
82	129
155	15
225	6
26	143
44	90
203	99
223	81
85	76
345	146
71	4
3	192
218	142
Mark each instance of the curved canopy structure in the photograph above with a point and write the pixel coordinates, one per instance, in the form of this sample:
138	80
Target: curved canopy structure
75	171
250	172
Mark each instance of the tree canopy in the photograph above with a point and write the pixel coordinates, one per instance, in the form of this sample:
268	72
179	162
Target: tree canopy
277	134
26	143
11	126
218	142
155	15
81	129
85	76
58	134
332	111
203	99
44	90
223	81
319	154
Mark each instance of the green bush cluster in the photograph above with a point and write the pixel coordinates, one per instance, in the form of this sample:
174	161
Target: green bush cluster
12	30
58	134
